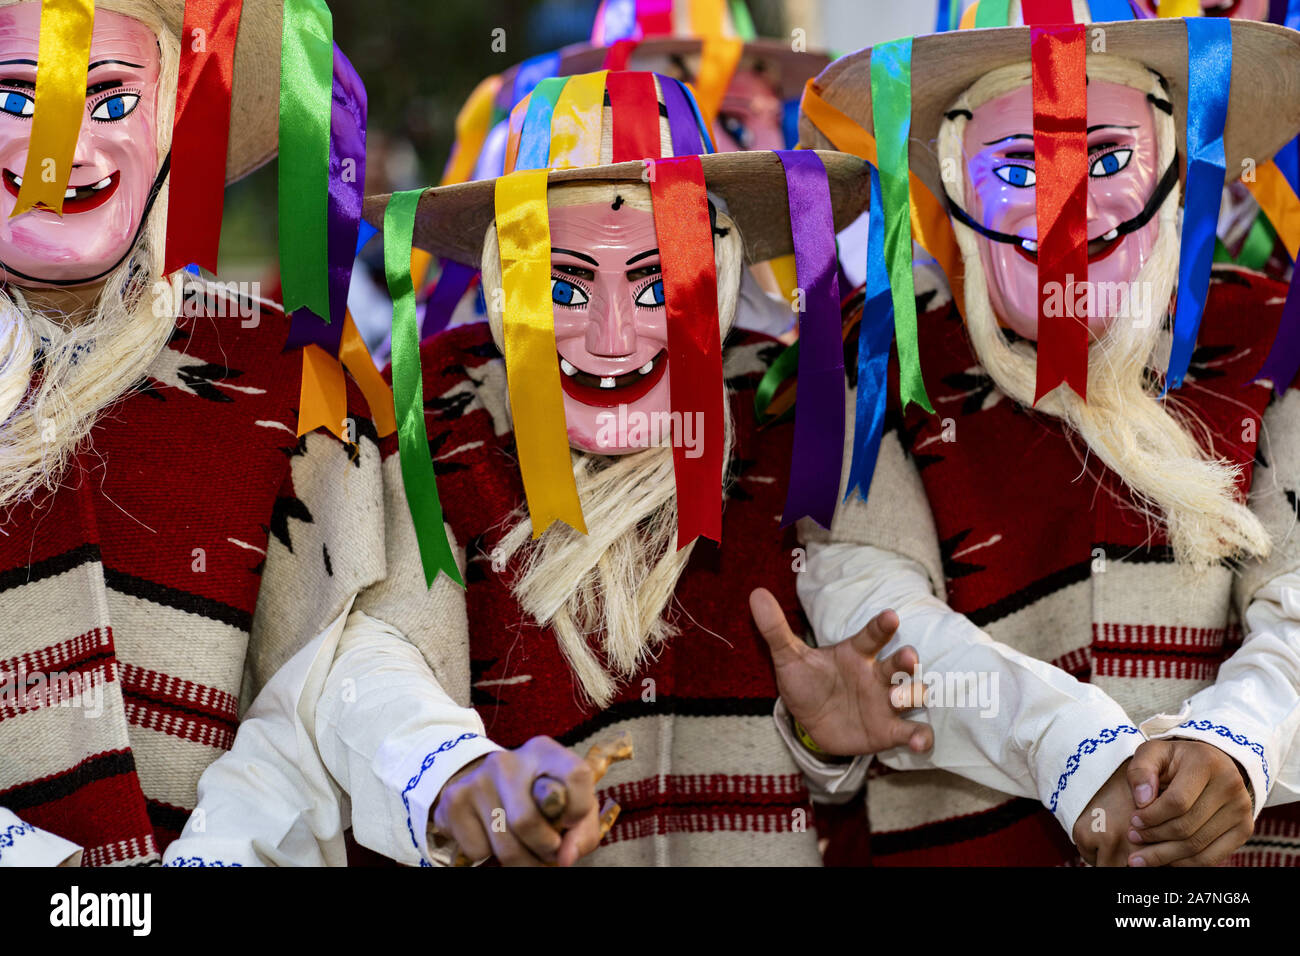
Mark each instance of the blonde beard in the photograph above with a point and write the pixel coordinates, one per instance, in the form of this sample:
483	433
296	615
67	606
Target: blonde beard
614	584
88	363
1152	445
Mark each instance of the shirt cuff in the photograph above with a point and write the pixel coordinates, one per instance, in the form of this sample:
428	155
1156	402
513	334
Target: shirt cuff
1076	757
419	775
22	844
1239	738
827	782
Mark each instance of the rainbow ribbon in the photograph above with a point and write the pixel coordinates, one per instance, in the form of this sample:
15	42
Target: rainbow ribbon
819	418
418	476
201	133
532	365
874	336
63	60
1209	78
891	108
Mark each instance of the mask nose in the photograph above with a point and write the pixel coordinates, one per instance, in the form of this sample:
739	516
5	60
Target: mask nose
611	331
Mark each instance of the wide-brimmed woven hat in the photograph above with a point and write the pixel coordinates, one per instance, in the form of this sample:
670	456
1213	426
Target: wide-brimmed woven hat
451	220
1263	110
255	89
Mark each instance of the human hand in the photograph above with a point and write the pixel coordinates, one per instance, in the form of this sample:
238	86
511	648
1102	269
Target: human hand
843	697
502	782
1203	813
1101	832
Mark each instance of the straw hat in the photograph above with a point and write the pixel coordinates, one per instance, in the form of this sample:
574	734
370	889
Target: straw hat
452	220
255	95
1263	110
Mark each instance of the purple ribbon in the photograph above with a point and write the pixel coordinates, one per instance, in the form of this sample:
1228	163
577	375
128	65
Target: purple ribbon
453	282
819	415
1283	362
682	129
347	190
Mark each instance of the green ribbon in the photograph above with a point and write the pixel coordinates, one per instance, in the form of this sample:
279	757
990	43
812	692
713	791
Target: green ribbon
306	81
1256	250
780	371
408	393
891	110
743	22
993	13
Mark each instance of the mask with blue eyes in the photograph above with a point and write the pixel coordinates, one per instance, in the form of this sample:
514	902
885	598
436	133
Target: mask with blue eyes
1099	167
570	293
117	169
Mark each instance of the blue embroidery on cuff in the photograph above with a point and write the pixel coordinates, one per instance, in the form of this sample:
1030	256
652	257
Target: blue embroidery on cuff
197	861
12	832
1086	747
1240	739
415	781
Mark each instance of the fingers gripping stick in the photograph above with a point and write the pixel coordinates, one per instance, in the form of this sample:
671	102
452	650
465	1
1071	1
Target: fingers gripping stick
552	797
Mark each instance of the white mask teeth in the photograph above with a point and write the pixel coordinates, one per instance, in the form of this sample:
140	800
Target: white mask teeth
103	183
1029	245
567	367
18	181
1113	234
647	368
71	193
607	382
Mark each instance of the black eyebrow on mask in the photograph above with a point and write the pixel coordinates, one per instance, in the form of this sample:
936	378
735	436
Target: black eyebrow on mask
137	66
577	255
642	255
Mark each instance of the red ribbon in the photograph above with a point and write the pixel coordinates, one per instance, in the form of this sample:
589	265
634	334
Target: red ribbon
1038	13
1058	55
694	343
634	106
201	133
654	17
619	55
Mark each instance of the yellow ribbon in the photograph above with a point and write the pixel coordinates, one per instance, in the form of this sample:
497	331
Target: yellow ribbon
707	17
473	123
62	63
718	59
931	227
1178	8
323	396
576	122
1279	204
532	369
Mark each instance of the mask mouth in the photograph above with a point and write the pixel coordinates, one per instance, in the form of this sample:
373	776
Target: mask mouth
77	198
1224	8
609	391
1098	249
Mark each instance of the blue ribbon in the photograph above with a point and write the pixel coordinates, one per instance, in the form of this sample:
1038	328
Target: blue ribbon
1288	161
1110	11
875	333
1209	77
946	19
365	232
533	71
790	122
535	133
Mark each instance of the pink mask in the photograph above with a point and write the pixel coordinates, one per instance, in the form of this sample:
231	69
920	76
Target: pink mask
751	115
611	327
1237	9
115	163
1000	196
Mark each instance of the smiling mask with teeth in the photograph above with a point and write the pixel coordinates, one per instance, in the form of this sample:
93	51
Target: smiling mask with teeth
116	158
611	326
1127	182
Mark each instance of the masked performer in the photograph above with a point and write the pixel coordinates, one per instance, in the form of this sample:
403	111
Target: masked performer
577	635
168	538
1070	548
